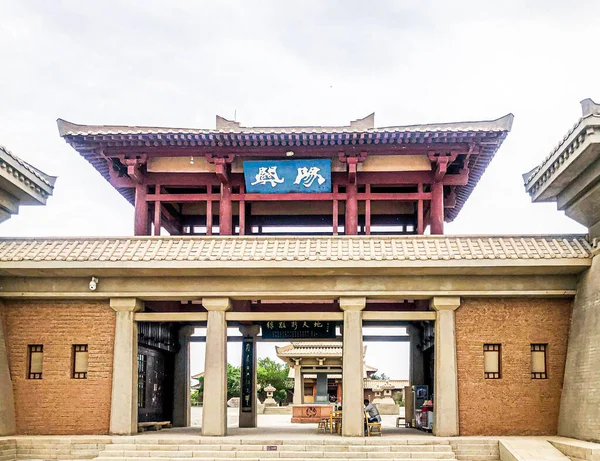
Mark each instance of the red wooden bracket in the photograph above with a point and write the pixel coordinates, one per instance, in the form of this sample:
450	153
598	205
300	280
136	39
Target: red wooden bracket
352	160
221	162
134	169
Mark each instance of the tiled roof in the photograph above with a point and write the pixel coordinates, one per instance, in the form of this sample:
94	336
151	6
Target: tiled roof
207	251
488	135
380	383
324	348
32	178
538	176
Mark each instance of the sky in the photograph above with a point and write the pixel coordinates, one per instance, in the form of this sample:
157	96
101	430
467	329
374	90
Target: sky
277	62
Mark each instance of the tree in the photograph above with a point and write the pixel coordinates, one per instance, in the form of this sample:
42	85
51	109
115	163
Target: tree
381	376
273	373
280	396
233	381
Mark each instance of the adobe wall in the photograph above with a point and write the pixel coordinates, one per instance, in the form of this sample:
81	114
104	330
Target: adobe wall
58	404
514	404
580	404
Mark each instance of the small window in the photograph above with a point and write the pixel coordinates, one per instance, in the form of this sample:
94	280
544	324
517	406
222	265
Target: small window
538	361
491	361
35	361
80	361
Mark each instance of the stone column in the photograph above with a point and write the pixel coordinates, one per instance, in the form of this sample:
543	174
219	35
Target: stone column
352	367
322	388
7	403
214	410
298	384
248	418
445	405
124	410
181	385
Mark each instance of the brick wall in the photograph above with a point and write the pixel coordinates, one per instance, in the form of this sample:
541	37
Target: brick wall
514	404
58	404
579	412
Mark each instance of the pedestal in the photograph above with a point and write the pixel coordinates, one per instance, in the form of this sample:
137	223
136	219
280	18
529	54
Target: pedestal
310	413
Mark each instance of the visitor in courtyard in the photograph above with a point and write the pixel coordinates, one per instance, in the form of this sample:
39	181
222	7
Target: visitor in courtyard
373	413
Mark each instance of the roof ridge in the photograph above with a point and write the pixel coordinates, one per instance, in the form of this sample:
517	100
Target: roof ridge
366	125
45	178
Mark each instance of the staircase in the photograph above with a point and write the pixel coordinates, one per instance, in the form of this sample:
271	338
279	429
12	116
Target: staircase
476	449
225	449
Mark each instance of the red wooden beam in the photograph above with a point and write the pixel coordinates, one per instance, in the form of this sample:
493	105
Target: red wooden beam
280	151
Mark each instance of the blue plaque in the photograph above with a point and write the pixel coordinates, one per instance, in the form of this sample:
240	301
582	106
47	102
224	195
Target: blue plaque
285	176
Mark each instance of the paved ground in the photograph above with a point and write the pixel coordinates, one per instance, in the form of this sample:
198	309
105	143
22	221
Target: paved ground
282	425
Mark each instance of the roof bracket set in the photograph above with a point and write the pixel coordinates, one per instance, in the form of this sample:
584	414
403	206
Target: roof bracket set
134	168
352	160
441	162
221	162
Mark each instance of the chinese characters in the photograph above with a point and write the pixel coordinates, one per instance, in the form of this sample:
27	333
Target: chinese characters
268	175
285	176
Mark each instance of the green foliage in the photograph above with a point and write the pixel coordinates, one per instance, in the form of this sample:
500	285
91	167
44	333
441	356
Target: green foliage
381	376
233	381
194	397
273	373
398	399
280	395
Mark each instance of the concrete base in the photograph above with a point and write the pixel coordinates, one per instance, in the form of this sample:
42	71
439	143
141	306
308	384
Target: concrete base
388	409
310	413
269	402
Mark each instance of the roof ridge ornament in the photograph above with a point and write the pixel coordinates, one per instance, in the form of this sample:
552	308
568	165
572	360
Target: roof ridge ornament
589	107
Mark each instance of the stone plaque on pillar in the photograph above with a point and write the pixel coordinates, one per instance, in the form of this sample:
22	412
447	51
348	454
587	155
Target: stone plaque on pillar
298	330
248	399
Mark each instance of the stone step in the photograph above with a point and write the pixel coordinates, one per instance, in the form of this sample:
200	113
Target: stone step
425	440
310	448
400	457
140	454
477	457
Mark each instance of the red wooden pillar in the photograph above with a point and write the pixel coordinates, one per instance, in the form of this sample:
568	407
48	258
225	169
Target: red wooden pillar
368	211
140	225
242	211
209	216
437	209
225	215
420	217
351	209
339	393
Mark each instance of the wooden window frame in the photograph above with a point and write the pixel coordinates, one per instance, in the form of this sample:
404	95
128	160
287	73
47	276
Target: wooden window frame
540	347
78	374
31	349
493	348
